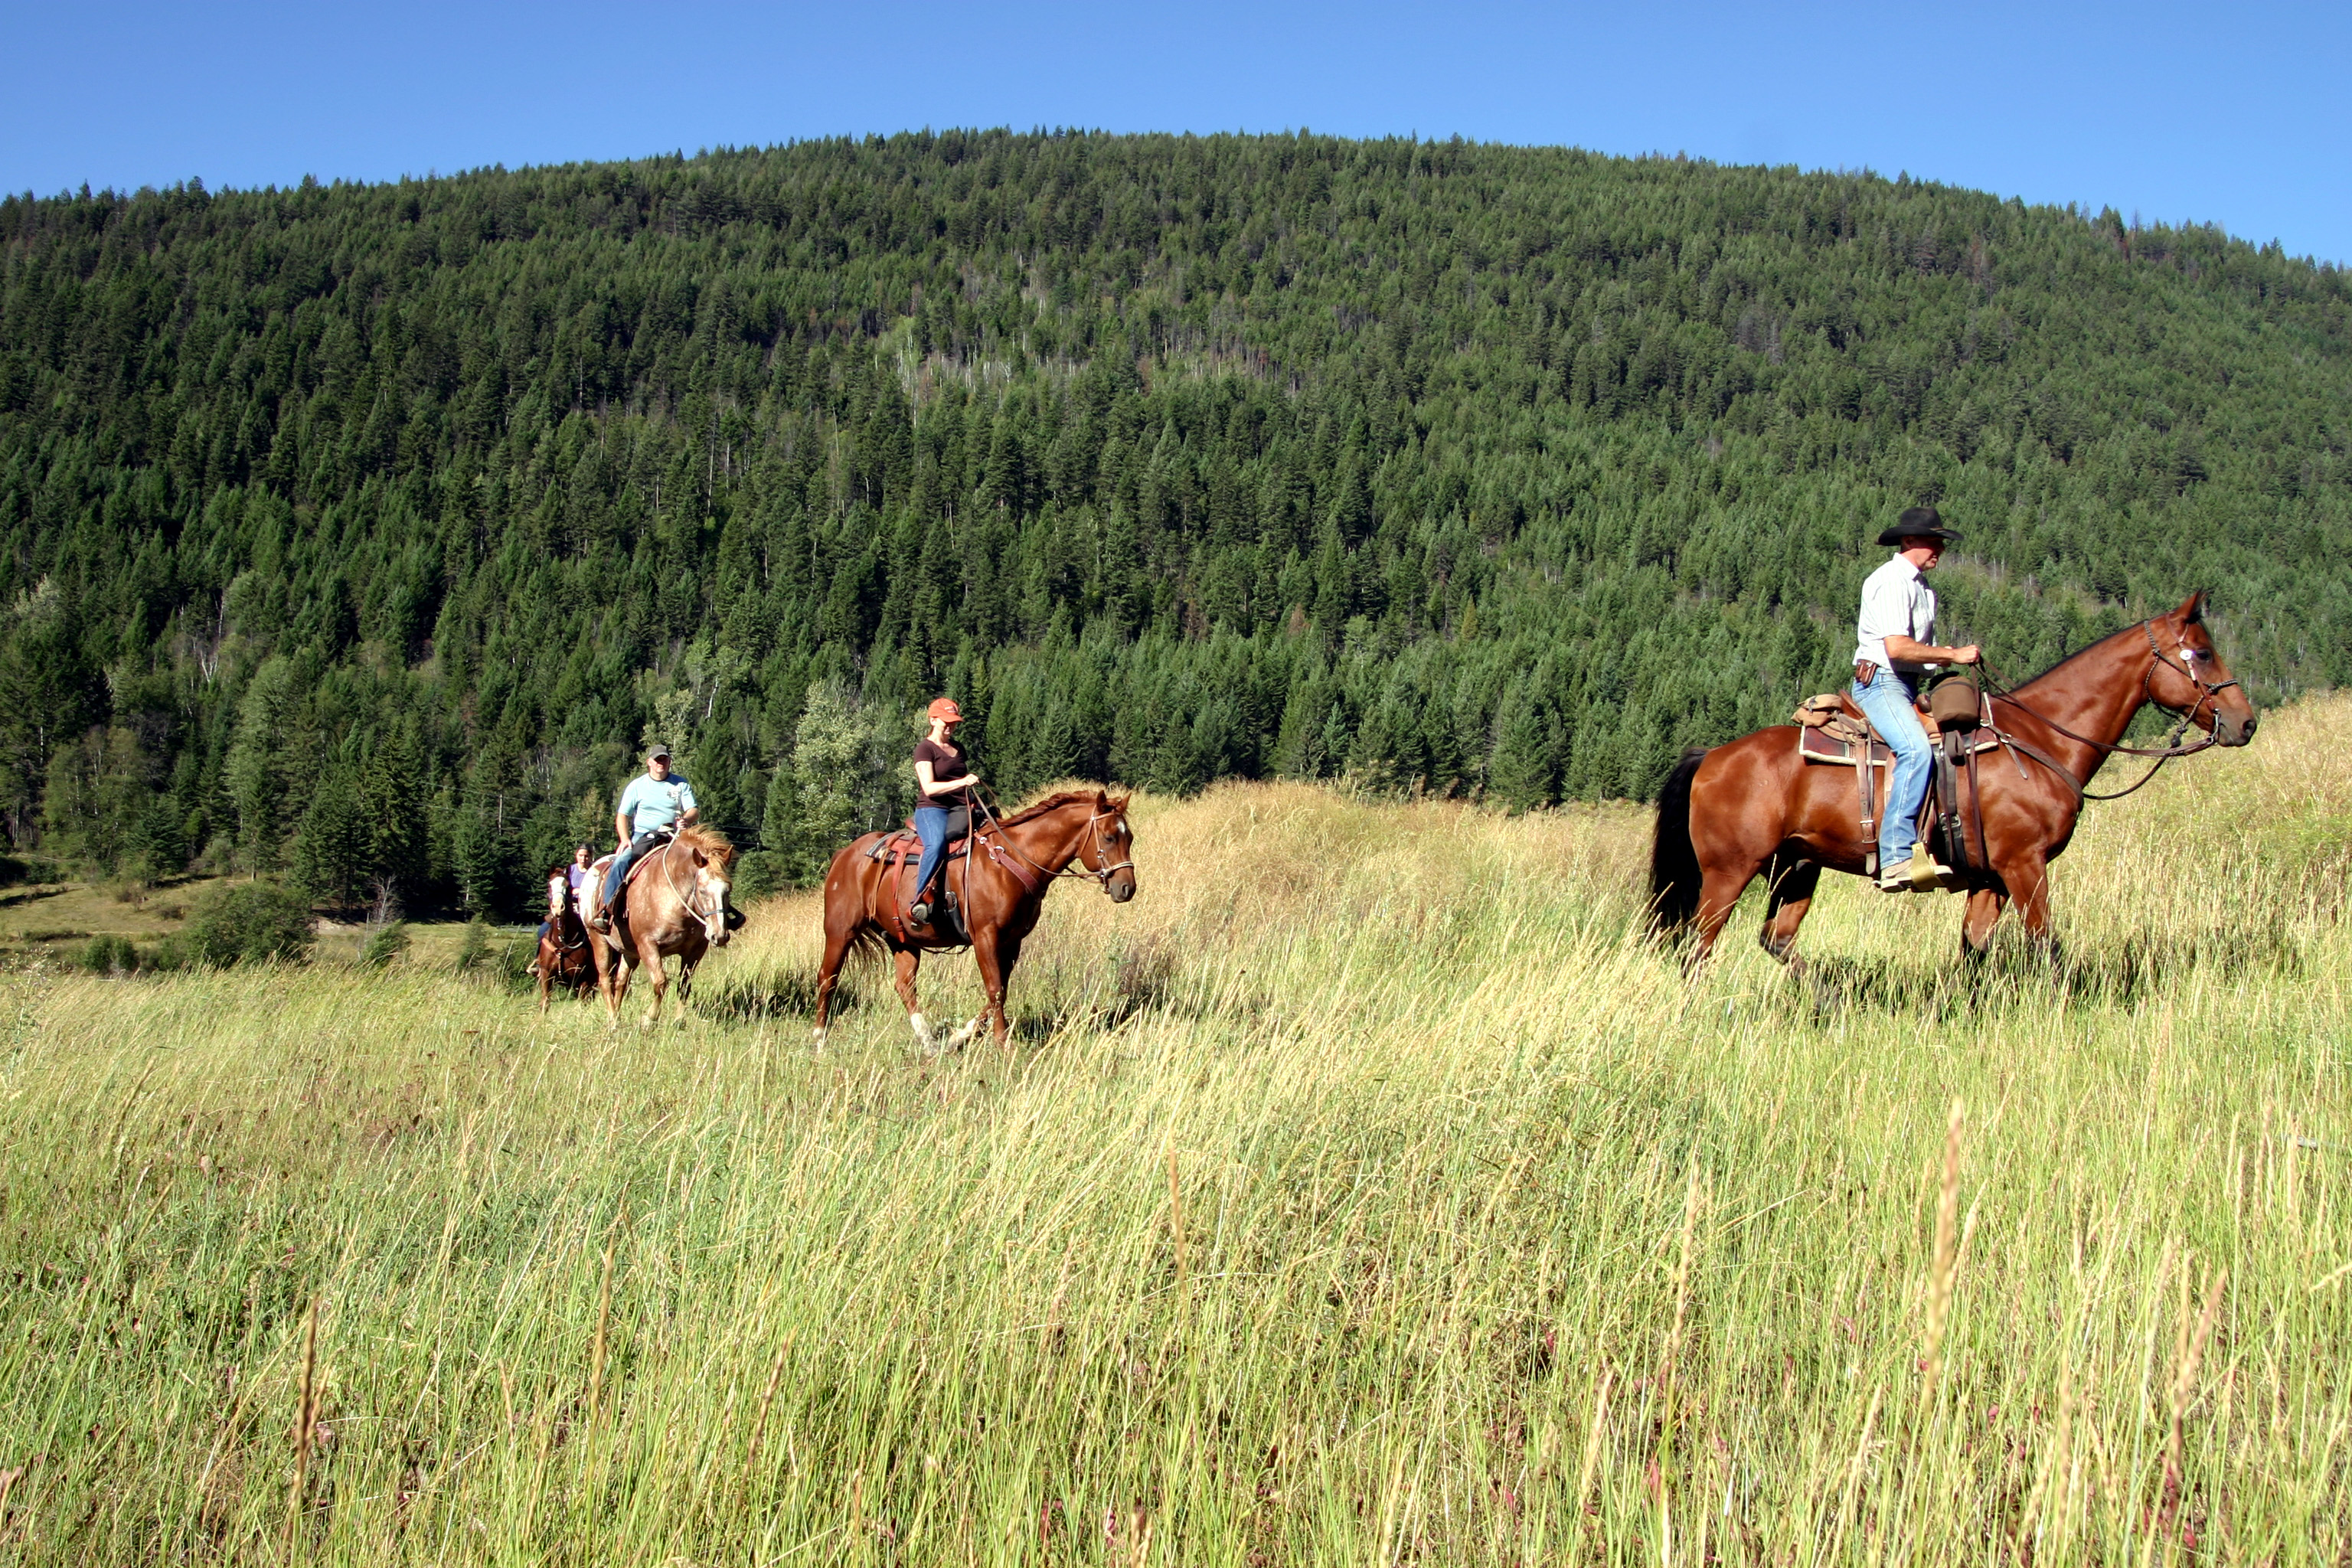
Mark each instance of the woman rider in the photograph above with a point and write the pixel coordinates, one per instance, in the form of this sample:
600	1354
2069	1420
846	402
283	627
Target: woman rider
566	887
943	804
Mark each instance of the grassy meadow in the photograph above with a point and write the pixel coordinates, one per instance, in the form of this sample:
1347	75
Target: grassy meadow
1366	1191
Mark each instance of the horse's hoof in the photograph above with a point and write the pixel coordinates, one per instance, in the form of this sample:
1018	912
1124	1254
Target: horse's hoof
816	1038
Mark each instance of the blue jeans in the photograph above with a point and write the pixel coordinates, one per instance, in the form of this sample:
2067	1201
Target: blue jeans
1887	700
935	825
621	863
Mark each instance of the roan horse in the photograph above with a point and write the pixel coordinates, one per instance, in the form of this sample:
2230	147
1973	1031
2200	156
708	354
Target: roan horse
1754	806
676	903
1002	890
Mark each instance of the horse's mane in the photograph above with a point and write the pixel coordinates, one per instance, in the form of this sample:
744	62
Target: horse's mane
1056	802
710	840
2091	647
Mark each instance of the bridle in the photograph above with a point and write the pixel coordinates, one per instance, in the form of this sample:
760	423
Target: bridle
713	926
2171	748
2211	689
1078	869
1102	874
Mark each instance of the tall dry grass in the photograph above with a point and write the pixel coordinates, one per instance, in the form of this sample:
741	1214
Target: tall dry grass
1367	1190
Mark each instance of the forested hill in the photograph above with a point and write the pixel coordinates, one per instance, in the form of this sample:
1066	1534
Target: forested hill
364	530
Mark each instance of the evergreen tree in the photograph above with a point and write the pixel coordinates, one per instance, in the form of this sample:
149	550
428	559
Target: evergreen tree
330	857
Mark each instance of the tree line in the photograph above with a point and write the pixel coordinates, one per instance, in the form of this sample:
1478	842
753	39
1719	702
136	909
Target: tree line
362	533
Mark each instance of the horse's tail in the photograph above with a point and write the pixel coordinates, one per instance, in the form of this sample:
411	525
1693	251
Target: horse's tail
1673	862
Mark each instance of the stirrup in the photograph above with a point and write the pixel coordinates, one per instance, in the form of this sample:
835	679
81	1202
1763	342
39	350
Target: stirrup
1901	877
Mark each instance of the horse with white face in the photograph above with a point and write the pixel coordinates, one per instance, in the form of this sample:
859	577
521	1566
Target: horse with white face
675	904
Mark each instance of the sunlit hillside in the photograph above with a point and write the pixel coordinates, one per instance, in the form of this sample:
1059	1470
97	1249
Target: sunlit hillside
1368	1190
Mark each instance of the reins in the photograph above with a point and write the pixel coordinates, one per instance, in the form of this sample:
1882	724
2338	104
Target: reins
1998	687
686	898
980	794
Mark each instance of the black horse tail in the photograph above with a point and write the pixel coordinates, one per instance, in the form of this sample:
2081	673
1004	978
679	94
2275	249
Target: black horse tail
1674	863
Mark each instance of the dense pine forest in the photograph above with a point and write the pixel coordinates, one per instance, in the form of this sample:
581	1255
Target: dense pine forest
362	533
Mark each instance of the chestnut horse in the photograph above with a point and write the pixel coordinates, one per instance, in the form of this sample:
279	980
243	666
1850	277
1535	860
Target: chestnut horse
1753	805
563	956
676	902
1001	888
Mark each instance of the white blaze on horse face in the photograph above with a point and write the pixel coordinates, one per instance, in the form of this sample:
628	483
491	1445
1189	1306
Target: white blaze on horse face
714	890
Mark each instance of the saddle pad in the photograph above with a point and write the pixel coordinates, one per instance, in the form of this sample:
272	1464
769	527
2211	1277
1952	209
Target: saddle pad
1824	745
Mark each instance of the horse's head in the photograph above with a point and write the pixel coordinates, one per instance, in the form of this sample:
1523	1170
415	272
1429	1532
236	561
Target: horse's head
714	863
1109	848
2189	677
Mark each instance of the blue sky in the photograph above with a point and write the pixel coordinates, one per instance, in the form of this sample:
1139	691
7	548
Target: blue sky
2218	113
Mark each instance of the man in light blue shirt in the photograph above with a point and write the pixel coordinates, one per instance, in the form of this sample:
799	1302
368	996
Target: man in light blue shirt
1893	648
655	805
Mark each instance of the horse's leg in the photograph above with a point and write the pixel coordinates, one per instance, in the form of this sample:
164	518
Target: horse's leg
995	951
1792	884
1720	891
649	957
828	974
1984	908
2027	877
906	961
544	972
612	979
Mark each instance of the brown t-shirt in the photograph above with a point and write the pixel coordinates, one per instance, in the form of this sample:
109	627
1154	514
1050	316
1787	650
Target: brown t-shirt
947	763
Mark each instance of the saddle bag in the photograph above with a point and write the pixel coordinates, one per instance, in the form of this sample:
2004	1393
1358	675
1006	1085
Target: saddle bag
1957	700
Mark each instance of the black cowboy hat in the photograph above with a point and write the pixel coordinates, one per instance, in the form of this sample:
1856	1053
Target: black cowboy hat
1918	522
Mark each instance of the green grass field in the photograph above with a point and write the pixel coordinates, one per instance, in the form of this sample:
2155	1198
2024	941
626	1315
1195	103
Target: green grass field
1367	1190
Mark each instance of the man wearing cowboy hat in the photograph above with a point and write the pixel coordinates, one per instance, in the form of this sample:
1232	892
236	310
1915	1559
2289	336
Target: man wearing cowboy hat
1894	648
655	805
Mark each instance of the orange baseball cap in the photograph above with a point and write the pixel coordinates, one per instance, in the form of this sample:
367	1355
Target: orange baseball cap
945	708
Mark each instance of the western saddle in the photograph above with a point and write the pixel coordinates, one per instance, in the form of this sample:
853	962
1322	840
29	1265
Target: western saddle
1831	730
902	852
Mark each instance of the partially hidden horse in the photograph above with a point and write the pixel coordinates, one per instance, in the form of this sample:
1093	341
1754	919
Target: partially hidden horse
676	902
564	958
1754	807
1001	888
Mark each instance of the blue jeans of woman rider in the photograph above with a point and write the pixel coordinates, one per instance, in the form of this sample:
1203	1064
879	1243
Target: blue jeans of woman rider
936	825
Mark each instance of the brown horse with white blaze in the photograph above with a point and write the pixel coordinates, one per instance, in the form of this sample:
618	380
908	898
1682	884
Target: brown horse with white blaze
1753	807
1002	890
676	902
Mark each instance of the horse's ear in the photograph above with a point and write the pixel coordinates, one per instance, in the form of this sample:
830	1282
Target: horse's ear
700	858
2194	610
